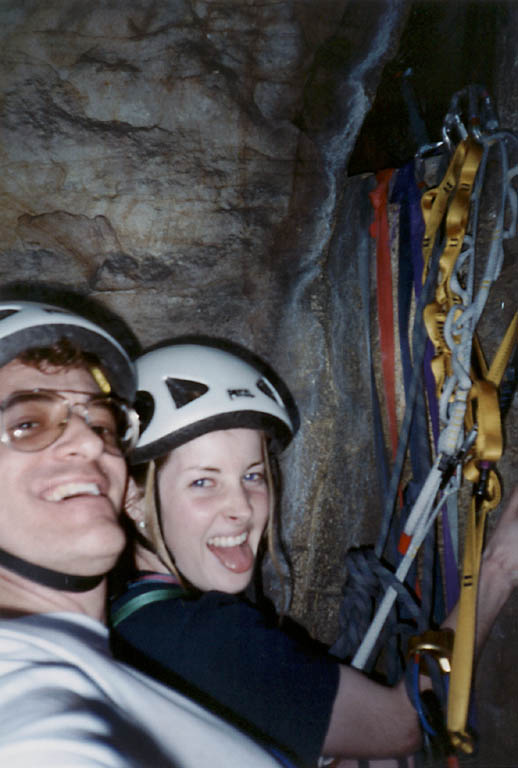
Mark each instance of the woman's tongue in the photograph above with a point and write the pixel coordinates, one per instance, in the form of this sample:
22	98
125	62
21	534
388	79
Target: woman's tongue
237	559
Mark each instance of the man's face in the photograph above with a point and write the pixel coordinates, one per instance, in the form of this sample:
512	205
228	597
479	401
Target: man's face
59	507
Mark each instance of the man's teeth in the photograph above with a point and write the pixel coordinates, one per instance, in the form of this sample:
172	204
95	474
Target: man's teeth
228	541
67	490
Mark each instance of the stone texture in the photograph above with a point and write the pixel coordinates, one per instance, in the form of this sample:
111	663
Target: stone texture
184	164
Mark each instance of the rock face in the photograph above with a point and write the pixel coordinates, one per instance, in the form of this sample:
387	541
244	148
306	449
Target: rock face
185	164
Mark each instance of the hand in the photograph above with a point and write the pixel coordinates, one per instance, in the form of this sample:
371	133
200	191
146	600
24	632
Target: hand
502	549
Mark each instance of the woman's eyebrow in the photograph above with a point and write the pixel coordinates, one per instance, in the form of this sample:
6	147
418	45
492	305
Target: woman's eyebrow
201	468
256	463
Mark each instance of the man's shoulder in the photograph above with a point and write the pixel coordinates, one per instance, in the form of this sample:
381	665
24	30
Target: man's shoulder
57	666
72	641
48	631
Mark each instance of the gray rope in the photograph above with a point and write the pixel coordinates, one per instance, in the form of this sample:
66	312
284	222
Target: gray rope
368	579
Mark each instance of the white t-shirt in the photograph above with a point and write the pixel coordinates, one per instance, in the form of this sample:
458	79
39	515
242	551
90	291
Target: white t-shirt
65	702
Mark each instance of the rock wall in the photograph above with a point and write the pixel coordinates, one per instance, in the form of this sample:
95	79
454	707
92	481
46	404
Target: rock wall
184	163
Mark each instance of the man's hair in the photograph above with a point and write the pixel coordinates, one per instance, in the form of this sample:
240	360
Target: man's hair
62	354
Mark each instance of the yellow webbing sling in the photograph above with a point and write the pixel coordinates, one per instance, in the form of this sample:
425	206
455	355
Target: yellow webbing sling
487	451
483	409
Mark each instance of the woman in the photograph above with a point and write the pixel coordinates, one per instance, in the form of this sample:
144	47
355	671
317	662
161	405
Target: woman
212	420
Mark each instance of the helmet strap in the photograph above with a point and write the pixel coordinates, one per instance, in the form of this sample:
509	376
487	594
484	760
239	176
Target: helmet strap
64	582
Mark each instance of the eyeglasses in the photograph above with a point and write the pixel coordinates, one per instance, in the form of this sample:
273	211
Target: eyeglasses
34	419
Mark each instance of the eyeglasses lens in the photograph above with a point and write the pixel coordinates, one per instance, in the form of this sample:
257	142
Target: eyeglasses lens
33	421
108	419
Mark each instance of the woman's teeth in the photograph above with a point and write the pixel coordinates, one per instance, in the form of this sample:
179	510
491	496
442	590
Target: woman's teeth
227	541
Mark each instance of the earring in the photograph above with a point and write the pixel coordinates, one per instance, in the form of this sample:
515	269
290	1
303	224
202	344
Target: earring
141	524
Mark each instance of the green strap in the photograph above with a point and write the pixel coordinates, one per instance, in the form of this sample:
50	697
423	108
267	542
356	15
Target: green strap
139	601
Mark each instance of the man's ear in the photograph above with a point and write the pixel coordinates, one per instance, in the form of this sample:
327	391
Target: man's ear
134	502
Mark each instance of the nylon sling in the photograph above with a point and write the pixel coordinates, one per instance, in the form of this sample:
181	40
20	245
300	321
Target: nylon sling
480	471
434	205
442	315
488	446
380	231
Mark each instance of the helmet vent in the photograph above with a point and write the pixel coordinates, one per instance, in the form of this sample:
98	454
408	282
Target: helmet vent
145	407
265	389
184	391
7	313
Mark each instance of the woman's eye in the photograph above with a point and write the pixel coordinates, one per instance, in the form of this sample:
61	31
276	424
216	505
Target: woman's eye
201	482
254	477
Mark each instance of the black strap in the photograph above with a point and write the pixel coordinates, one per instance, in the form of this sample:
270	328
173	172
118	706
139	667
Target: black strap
65	582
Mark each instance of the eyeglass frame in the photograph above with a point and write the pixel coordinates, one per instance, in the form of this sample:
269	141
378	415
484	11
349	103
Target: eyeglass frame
131	414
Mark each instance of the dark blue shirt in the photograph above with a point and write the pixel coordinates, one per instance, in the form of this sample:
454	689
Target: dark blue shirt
232	658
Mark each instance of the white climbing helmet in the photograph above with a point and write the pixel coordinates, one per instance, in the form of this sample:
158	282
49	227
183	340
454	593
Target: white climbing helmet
188	389
26	324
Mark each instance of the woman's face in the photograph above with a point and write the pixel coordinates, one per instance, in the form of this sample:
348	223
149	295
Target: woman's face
214	506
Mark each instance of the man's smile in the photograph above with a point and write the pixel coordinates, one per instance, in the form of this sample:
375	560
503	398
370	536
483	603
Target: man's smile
70	490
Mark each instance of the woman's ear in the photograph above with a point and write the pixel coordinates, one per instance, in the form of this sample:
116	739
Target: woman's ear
134	503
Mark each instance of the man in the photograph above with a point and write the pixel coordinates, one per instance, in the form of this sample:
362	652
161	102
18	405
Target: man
65	427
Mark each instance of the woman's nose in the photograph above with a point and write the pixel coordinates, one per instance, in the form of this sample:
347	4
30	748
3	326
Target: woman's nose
237	503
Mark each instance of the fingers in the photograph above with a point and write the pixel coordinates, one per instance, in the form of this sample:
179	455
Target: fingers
502	548
510	511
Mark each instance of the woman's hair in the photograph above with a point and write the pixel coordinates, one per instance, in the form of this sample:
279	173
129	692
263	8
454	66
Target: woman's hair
272	473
